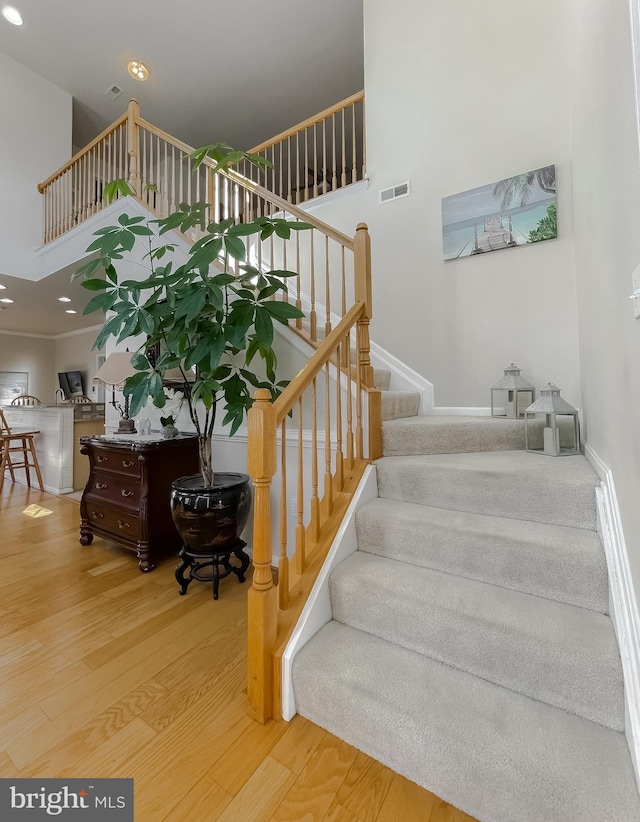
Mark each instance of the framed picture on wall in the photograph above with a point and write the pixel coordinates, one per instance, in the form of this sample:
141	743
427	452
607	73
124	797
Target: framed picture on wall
12	384
516	211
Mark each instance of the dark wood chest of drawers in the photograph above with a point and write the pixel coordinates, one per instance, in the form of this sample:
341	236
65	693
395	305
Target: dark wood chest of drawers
126	498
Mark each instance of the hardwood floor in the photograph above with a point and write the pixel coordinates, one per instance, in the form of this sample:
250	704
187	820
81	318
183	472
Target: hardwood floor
105	671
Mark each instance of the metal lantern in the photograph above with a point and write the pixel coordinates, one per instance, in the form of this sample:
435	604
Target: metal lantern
511	396
561	432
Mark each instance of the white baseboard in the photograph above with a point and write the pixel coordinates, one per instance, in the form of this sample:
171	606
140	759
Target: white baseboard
623	601
317	609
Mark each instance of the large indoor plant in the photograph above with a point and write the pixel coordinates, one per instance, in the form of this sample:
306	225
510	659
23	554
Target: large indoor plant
209	319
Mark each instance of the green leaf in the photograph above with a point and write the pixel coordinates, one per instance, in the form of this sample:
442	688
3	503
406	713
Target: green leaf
283	312
235	247
264	326
95	285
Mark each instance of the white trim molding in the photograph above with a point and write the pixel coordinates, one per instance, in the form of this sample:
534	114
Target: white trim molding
623	601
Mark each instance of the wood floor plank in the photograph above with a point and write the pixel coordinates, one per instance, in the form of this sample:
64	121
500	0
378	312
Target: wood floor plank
237	764
406	801
206	800
8	769
95	734
261	795
443	812
314	790
298	744
338	813
365	788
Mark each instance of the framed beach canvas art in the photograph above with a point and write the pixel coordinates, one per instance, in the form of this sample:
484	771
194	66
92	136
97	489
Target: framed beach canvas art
516	211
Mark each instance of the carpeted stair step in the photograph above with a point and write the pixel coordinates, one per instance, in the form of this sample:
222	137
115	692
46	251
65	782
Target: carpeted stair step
451	435
381	378
397	404
552	561
496	754
516	484
558	654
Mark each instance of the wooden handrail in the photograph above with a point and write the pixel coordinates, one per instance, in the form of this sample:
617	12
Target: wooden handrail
314	365
79	154
348	101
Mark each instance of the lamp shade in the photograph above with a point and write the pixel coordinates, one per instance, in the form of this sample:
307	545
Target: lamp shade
115	369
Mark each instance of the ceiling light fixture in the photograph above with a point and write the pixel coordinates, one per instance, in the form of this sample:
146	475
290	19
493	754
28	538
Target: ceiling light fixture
138	70
70	311
12	15
64	299
2	287
6	300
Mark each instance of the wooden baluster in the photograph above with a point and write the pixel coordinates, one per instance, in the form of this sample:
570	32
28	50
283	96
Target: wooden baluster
281	190
283	567
334	177
262	598
359	427
315	161
289	192
327	286
300	532
297	198
306	164
344	298
325	170
133	114
362	278
313	320
349	373
343	179
285	294
354	169
298	280
166	192
314	524
328	485
144	169
339	454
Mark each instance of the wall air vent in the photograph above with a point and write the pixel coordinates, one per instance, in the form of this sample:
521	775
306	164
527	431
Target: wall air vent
113	92
395	192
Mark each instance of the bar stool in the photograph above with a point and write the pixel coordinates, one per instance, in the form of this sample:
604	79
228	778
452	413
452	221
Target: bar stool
26	399
15	442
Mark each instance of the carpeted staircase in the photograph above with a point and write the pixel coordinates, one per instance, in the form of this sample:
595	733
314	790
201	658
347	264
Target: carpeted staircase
470	647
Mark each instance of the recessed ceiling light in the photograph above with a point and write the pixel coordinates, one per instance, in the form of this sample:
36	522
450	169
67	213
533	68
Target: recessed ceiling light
12	15
64	299
138	70
70	311
2	287
5	300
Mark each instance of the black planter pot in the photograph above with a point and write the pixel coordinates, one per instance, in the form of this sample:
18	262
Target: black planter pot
210	519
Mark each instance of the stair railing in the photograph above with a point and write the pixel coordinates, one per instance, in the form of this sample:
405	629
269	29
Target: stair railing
328	403
320	154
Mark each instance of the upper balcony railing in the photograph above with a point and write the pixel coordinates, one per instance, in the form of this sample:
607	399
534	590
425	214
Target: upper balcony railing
323	153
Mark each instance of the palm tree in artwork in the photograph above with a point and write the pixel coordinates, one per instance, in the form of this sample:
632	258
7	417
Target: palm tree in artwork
520	187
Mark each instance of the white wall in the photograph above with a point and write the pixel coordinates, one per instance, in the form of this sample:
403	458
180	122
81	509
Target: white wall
35	139
606	162
460	94
33	355
74	352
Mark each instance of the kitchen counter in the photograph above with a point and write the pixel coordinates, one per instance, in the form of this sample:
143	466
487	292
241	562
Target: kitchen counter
60	427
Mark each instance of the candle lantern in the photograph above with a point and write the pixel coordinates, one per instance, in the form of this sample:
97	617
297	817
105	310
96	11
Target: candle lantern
511	395
561	432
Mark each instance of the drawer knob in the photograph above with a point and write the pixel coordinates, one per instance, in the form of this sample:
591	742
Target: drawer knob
101	485
101	459
123	525
126	493
127	463
96	515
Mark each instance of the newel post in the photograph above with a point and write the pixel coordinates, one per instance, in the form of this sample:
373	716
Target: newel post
362	270
133	146
262	597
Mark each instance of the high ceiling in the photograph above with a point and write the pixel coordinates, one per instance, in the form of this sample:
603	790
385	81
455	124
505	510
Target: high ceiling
238	72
